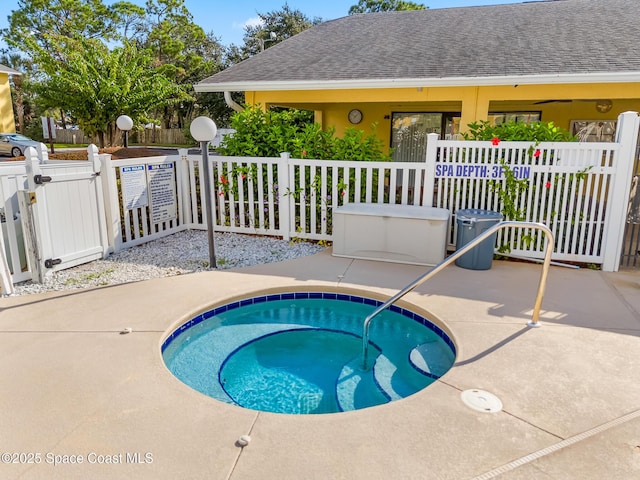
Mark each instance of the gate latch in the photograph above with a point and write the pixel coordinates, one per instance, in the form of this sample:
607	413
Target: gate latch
51	262
40	179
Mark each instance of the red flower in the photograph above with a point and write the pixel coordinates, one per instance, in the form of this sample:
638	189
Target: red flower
343	193
547	185
304	153
536	153
495	141
221	194
244	176
223	179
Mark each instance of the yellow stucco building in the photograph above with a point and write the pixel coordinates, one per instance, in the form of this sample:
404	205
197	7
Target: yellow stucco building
7	121
573	62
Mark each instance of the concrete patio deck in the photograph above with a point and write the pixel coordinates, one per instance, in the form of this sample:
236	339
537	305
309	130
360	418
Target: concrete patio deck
73	387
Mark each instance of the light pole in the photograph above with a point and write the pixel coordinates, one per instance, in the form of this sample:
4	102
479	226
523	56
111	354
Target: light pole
203	130
125	124
272	37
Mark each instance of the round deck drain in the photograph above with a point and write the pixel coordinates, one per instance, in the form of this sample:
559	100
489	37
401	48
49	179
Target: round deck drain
481	401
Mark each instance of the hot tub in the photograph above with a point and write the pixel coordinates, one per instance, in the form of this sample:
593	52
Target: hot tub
391	233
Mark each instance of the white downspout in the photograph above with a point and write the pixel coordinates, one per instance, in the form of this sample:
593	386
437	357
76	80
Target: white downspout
234	105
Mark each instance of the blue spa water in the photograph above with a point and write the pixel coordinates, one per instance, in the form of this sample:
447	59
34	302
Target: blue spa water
302	353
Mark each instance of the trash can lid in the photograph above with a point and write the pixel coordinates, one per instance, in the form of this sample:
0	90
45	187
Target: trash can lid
478	215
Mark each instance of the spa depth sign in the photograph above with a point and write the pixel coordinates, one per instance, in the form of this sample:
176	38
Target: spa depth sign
468	170
156	187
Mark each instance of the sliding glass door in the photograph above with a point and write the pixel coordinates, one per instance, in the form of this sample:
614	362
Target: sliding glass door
409	132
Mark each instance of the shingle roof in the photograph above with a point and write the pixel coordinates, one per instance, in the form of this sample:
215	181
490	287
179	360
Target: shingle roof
557	37
10	71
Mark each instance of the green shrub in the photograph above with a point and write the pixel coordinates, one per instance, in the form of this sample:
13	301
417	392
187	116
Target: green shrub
268	134
261	134
518	131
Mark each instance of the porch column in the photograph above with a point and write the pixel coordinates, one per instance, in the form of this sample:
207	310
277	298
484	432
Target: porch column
475	106
319	118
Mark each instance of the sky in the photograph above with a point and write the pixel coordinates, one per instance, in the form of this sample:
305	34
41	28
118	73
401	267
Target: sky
226	18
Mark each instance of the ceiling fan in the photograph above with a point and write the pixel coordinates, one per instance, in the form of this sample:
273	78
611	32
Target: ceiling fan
602	105
541	102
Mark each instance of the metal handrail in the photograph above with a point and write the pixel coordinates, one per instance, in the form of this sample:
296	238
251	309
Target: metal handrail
487	233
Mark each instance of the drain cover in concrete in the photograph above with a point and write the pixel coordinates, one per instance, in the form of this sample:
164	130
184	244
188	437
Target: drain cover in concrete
481	401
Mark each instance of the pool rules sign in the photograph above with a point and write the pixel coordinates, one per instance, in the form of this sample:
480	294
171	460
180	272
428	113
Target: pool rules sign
162	192
157	189
133	180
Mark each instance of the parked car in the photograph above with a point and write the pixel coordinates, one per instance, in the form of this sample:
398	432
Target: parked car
14	144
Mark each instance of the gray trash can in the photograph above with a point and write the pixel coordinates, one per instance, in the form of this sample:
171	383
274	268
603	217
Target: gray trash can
471	223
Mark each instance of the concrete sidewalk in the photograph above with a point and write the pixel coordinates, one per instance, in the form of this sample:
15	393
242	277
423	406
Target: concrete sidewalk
74	388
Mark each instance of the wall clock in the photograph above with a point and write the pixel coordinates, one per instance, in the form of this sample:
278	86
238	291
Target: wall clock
355	116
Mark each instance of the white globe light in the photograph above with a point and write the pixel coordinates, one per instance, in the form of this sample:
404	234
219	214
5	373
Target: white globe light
203	129
124	123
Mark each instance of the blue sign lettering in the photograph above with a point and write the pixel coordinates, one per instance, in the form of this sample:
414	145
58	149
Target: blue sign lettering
470	170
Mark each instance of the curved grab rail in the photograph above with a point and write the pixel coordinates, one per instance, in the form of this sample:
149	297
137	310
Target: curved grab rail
487	233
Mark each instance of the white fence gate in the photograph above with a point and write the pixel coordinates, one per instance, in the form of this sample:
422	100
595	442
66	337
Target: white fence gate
58	215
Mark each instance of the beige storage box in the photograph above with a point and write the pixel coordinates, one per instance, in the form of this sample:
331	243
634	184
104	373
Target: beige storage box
391	233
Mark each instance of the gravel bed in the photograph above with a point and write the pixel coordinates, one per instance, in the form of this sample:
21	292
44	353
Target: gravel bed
177	254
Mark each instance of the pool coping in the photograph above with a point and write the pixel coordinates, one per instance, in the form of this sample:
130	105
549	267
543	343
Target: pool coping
360	297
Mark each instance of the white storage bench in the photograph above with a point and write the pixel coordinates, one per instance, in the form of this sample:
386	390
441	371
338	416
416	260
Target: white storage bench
391	233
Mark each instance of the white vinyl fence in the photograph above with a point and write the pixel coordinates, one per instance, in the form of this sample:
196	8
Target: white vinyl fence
52	215
580	190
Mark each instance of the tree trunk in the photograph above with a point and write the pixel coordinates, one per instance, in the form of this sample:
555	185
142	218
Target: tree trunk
17	88
166	118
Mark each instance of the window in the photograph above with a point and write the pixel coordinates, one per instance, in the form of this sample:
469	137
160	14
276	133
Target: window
498	118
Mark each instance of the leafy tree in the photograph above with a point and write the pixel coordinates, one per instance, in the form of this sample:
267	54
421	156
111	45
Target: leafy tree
275	26
97	85
22	97
213	104
131	21
44	30
163	35
374	6
182	51
35	23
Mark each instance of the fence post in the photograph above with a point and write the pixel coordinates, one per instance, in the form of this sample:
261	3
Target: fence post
183	178
627	137
111	197
43	153
284	200
100	202
33	207
430	171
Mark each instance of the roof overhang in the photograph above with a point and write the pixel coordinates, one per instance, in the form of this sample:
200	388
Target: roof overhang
8	71
549	79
